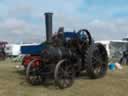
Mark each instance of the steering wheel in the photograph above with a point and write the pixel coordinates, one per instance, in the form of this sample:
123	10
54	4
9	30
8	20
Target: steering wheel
84	37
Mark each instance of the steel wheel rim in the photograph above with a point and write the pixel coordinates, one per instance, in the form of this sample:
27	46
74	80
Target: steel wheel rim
32	74
64	74
97	62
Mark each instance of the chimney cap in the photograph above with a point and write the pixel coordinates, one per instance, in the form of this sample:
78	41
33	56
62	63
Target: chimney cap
48	13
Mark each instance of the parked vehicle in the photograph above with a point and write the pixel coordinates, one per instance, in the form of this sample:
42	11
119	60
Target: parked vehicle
115	48
12	50
63	56
124	58
2	50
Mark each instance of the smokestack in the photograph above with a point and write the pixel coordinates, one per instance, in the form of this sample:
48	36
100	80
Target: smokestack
48	23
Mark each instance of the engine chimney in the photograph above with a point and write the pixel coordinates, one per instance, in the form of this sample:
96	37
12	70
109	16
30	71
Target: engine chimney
48	23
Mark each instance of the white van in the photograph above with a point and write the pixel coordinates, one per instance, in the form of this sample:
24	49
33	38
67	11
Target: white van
12	50
115	48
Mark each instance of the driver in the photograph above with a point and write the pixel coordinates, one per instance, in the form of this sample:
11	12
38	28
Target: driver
57	39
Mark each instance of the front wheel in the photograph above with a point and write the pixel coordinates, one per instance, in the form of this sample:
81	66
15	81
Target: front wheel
32	73
64	74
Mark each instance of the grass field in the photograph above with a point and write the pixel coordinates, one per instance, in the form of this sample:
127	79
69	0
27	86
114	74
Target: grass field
13	83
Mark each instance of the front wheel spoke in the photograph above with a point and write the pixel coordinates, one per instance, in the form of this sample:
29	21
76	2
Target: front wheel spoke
62	69
69	74
34	76
67	81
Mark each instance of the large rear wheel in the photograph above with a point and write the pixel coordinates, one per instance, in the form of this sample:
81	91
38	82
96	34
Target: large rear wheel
98	62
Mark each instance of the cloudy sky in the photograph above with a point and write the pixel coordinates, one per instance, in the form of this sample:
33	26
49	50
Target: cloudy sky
23	20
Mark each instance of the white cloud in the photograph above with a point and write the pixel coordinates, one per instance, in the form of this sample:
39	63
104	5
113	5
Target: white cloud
18	30
66	13
104	30
12	25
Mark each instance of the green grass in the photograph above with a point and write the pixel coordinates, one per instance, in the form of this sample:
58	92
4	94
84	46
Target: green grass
13	83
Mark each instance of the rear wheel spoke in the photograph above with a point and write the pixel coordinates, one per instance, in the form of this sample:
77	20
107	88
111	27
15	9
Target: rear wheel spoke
98	62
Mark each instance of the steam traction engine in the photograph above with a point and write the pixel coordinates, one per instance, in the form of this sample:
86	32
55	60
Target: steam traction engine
63	56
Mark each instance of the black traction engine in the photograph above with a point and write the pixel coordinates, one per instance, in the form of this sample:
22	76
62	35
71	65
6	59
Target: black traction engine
66	56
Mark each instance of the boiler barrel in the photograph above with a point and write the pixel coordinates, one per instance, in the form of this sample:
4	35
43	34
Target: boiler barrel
54	53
